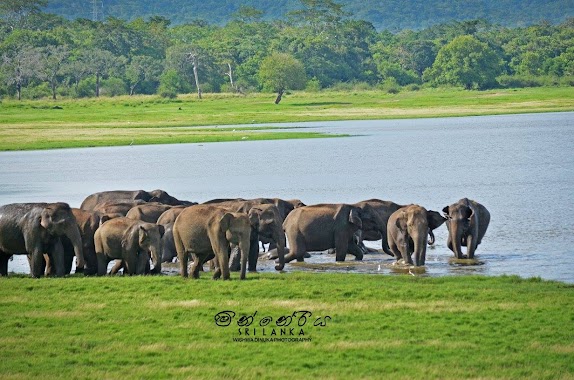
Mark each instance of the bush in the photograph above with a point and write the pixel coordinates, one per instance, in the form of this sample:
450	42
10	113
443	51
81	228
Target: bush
113	87
313	85
390	85
37	92
86	88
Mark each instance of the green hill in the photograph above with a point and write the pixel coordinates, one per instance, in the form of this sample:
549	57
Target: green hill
383	14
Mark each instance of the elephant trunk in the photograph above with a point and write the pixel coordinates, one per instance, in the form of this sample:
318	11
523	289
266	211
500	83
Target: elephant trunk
420	248
244	246
73	234
280	241
155	253
456	239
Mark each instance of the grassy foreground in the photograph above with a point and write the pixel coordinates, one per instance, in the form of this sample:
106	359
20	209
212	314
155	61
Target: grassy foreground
137	120
379	327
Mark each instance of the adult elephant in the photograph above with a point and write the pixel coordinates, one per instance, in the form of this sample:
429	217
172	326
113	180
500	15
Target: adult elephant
36	229
169	216
408	230
116	208
384	209
131	241
467	221
120	195
88	222
148	212
324	226
206	232
168	251
269	228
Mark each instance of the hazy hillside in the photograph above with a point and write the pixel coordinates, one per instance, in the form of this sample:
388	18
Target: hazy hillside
384	14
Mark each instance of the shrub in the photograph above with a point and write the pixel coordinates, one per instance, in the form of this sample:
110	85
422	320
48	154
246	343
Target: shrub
113	87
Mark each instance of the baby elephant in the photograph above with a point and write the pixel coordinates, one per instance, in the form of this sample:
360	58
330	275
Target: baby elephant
467	221
408	229
131	241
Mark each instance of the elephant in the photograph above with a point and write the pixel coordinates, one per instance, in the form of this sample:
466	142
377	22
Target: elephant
407	231
131	241
148	212
115	209
168	251
268	228
170	215
121	195
324	226
88	222
467	221
36	229
206	232
384	209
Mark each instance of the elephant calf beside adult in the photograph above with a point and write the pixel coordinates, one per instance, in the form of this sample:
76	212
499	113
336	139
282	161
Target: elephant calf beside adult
131	241
36	229
467	221
408	230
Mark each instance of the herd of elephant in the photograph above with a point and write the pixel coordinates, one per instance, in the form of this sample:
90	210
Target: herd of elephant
141	229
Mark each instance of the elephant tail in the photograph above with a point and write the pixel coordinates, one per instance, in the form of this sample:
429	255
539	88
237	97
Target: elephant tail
431	237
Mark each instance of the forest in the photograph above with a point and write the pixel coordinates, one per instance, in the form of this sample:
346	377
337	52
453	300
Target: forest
393	15
319	45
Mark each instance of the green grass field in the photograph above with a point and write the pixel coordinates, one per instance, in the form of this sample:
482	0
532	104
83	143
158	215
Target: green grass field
46	124
379	327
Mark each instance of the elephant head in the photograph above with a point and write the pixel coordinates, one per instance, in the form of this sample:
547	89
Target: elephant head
163	197
142	238
467	224
237	228
58	220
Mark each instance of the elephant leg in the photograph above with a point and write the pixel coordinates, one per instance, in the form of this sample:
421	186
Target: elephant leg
470	246
356	251
118	264
195	267
341	246
102	263
297	249
253	252
37	264
183	257
56	255
4	258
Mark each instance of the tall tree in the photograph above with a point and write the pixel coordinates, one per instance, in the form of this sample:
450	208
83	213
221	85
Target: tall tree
18	67
281	72
52	65
467	62
16	13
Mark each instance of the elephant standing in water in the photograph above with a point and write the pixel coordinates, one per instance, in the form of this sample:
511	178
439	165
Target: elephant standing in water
467	221
206	232
36	229
408	230
384	209
131	241
324	226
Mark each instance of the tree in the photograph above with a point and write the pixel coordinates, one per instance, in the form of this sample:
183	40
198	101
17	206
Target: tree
467	62
19	67
17	12
142	69
280	72
52	64
101	63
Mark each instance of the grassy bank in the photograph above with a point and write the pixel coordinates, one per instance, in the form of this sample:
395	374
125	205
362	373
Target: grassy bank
150	119
379	327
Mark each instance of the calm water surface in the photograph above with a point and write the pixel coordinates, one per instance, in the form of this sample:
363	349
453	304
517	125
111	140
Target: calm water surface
521	167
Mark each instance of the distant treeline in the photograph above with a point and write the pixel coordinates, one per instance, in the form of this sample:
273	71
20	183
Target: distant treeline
315	47
393	15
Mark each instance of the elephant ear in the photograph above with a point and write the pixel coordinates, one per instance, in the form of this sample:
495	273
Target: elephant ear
161	229
254	215
434	219
130	239
468	212
355	217
225	221
143	235
446	211
401	223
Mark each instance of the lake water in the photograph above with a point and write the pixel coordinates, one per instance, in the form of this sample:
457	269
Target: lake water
521	167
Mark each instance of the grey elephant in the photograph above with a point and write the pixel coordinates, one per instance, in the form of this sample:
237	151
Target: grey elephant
148	212
467	221
168	251
324	226
206	232
408	230
122	195
36	229
129	240
384	209
269	228
88	222
170	215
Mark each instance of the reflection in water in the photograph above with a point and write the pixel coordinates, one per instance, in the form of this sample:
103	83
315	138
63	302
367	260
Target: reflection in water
521	167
